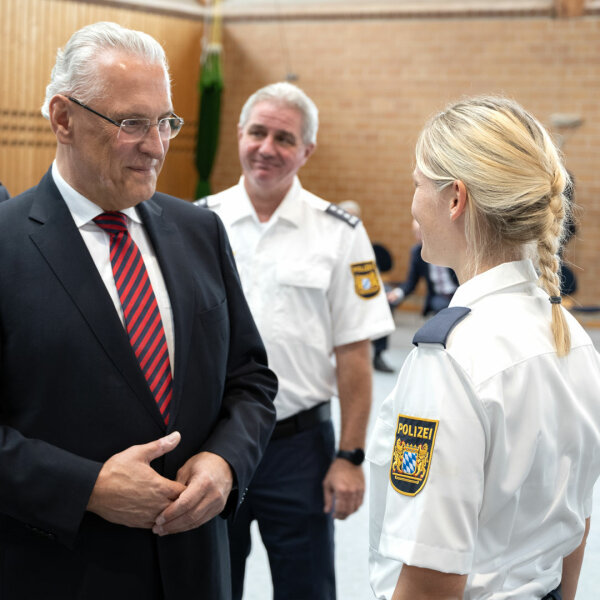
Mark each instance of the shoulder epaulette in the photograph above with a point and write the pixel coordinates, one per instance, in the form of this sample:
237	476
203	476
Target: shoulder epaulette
335	211
438	328
202	202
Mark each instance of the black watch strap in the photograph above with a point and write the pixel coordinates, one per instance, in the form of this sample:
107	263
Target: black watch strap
356	456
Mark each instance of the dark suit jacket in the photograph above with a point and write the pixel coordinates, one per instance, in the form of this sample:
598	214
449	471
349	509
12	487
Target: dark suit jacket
72	395
418	269
4	195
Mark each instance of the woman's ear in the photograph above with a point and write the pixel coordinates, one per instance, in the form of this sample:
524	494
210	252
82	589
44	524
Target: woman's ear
458	199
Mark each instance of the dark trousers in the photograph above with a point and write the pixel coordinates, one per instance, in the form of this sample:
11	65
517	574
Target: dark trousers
380	344
554	594
286	499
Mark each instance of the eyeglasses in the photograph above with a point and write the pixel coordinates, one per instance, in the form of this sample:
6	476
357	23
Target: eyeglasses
135	129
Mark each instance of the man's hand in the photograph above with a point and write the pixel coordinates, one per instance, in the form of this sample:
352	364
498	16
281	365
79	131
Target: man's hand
129	491
208	480
395	296
343	488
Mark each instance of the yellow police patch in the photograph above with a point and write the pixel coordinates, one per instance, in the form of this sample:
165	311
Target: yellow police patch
412	454
366	280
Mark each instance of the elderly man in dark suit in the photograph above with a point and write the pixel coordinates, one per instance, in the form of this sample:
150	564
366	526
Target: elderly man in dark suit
135	398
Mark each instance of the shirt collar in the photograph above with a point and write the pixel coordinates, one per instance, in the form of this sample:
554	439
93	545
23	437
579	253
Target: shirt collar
82	210
289	209
507	275
239	206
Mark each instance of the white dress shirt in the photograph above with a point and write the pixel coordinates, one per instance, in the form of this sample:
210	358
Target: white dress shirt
97	241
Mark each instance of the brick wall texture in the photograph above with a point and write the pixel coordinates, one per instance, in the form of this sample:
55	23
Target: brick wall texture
376	81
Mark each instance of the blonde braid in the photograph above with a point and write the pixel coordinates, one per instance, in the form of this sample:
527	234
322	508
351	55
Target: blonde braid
549	261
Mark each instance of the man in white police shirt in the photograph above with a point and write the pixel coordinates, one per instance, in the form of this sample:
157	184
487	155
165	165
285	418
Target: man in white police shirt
308	271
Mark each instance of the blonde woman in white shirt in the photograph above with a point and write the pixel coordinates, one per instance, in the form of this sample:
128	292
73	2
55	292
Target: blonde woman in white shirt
485	454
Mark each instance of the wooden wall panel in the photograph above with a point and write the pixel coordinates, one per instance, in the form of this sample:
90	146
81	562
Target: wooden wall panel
31	33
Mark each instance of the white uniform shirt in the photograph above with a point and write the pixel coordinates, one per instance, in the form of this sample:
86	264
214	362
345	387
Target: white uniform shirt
516	448
311	283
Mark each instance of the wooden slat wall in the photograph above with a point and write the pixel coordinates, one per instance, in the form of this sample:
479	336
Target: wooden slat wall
31	32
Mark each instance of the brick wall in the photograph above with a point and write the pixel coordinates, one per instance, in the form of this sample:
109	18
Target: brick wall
376	77
376	81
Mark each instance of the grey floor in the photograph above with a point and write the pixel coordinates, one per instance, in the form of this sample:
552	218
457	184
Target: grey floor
352	534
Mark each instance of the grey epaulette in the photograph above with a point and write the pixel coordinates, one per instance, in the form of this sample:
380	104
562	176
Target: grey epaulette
438	328
335	211
202	202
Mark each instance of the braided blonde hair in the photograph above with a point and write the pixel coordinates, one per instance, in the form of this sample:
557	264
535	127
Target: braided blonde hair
515	183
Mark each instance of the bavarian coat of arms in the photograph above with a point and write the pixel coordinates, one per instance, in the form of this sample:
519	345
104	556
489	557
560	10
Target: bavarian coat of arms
411	457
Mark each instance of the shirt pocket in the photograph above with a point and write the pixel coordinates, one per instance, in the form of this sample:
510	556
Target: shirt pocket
302	311
311	275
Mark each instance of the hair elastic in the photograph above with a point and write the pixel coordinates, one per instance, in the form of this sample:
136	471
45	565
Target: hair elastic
555	299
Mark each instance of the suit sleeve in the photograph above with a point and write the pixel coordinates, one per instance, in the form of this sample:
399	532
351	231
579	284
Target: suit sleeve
248	413
4	195
43	486
414	271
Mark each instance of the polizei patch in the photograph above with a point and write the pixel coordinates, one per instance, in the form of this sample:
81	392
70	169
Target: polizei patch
366	281
413	451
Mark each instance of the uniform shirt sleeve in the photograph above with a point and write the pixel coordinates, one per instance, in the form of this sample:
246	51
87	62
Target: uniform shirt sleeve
436	528
357	312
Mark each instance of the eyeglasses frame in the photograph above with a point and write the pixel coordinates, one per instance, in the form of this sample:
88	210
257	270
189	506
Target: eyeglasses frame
118	124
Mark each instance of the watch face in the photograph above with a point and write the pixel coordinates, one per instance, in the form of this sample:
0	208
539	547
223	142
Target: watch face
359	456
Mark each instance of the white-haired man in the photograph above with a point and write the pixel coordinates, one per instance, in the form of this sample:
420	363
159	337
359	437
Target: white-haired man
308	271
135	398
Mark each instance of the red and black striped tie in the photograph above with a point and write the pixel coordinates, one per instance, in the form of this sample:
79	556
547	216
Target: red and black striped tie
142	317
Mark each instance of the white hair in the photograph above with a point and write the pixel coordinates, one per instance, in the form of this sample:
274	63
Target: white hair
75	73
289	95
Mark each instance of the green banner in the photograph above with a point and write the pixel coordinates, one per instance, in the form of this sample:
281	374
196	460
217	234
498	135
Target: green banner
209	111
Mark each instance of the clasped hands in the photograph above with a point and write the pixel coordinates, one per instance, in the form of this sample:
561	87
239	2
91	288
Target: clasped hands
130	492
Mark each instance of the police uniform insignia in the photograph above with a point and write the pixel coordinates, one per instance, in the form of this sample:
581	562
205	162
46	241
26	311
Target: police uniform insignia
366	280
339	213
413	451
438	328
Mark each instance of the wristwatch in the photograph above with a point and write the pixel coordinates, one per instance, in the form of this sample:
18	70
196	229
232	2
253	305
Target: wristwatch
355	456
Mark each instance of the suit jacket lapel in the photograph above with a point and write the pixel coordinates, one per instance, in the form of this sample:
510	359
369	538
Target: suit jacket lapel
170	253
58	240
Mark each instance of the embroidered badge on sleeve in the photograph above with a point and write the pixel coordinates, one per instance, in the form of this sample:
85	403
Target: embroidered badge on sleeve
366	280
413	451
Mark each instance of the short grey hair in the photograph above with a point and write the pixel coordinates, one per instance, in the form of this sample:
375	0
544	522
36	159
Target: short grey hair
289	95
74	72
